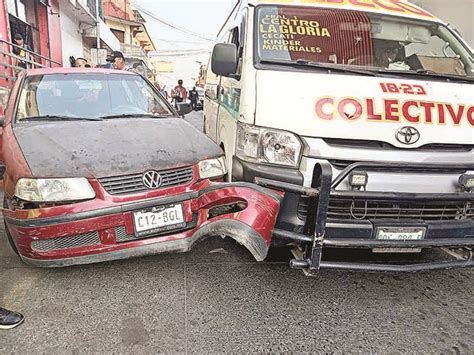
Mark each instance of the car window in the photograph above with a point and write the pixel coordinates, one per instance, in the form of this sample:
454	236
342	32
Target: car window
88	96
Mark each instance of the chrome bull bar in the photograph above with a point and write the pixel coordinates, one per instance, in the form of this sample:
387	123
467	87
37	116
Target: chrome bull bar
310	243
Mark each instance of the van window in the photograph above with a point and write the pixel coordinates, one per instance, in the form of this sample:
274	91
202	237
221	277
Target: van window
359	39
234	37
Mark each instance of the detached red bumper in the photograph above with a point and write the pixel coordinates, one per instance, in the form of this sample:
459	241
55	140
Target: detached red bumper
108	233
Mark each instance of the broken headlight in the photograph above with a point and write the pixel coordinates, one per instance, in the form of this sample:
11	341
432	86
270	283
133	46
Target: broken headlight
212	168
54	190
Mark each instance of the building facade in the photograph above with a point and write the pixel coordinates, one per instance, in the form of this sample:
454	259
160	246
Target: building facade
80	21
129	27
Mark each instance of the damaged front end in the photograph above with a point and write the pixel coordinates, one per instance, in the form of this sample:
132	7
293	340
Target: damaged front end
456	239
94	232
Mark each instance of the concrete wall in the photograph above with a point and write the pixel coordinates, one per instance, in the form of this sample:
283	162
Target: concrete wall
458	13
71	36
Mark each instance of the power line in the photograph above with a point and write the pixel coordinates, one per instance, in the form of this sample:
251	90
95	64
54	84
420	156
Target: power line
180	50
178	53
174	41
171	25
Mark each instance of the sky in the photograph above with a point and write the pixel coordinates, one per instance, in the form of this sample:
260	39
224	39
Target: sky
202	17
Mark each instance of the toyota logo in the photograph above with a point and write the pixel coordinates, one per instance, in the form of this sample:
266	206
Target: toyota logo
152	179
408	135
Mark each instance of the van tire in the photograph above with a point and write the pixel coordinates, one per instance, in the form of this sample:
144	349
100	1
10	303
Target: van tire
7	232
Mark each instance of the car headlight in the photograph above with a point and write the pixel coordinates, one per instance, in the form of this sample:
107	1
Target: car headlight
212	168
263	145
54	190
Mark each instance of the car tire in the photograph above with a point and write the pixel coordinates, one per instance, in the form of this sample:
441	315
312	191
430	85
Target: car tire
7	232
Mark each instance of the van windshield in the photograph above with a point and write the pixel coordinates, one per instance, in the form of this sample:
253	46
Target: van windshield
88	96
361	40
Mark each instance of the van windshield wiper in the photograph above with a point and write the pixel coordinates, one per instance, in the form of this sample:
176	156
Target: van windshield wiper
58	118
326	66
427	73
133	115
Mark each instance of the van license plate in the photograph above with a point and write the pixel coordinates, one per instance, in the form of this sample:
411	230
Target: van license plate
158	219
399	233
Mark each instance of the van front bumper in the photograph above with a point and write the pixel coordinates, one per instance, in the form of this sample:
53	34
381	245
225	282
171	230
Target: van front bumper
106	234
317	230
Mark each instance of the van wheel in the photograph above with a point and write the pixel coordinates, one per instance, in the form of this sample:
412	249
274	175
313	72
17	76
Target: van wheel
7	232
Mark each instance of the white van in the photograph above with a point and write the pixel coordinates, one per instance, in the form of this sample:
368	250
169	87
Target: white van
362	111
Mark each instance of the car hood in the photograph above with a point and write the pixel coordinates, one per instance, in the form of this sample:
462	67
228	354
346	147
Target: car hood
96	149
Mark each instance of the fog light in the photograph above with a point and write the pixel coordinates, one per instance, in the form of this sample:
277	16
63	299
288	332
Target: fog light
358	180
467	181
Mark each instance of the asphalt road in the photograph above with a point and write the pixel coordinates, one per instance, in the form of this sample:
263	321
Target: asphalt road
218	299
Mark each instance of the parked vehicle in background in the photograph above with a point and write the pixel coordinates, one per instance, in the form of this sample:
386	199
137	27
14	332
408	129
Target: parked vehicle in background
100	167
362	112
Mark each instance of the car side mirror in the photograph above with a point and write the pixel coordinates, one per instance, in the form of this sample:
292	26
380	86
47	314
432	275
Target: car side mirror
225	59
184	108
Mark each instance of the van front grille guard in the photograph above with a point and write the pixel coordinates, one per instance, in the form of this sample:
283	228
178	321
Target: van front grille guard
312	240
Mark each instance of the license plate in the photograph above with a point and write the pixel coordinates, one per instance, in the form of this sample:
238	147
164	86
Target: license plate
399	233
158	219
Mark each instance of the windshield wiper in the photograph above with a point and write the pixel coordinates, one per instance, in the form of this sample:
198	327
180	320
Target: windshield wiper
133	115
318	65
426	73
58	118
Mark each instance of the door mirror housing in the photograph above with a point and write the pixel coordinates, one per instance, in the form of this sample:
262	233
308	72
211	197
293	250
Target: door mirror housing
184	108
225	60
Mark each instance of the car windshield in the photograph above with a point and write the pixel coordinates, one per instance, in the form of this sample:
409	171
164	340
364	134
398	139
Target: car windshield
356	39
88	96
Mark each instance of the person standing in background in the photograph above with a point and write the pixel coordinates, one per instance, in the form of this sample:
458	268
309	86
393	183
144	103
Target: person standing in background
179	93
81	63
194	98
118	61
20	51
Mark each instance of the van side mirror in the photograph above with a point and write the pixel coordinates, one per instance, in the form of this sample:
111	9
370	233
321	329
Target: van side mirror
184	108
225	60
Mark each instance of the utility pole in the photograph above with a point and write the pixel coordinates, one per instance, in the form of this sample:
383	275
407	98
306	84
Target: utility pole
97	18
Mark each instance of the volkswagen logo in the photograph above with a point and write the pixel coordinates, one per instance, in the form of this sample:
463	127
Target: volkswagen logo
152	179
408	135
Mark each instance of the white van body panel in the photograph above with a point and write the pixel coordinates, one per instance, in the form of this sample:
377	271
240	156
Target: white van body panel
287	100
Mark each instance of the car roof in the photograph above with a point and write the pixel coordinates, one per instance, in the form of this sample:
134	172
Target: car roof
49	71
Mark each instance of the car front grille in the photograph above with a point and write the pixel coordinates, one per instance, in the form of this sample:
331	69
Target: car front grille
348	209
127	184
75	241
121	235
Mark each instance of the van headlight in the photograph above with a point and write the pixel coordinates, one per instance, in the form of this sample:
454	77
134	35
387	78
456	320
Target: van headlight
212	168
263	145
54	190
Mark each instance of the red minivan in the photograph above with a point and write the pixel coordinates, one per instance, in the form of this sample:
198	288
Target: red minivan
99	166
